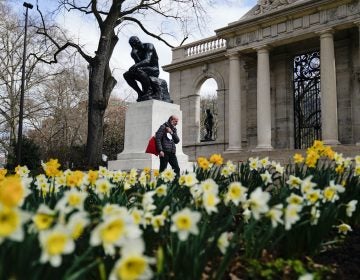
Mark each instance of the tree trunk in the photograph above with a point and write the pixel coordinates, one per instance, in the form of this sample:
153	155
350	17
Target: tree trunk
101	84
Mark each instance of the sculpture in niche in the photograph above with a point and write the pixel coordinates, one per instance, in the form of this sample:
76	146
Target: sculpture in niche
146	71
209	124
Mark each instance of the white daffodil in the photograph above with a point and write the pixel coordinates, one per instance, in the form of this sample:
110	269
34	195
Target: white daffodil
209	185
236	193
307	185
264	162
168	175
111	209
148	201
279	168
266	177
11	223
223	241
313	196
210	200
157	222
246	214
351	207
307	276
344	228
190	179
254	163
133	264
43	218
72	199
294	199
275	214
225	172
294	182
258	202
185	222
161	190
22	171
103	187
137	215
77	224
231	166
314	215
330	193
113	232
143	178
55	243
292	215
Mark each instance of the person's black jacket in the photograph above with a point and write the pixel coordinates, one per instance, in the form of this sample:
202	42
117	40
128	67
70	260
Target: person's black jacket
163	143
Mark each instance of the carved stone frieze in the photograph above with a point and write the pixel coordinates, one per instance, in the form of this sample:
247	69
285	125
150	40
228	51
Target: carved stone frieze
268	5
316	19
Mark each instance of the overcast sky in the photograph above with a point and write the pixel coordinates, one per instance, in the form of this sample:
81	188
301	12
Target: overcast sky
86	32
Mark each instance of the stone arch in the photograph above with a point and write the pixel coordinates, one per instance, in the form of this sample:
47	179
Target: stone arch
198	81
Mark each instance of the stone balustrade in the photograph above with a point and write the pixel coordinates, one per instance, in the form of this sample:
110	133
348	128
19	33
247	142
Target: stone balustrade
201	47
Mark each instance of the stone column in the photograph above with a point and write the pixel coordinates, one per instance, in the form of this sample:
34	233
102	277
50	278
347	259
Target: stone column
263	100
357	76
234	120
329	116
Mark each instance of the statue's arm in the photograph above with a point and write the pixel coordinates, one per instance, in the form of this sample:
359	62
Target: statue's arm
148	55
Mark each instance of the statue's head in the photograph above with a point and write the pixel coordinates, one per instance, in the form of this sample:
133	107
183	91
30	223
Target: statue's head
135	42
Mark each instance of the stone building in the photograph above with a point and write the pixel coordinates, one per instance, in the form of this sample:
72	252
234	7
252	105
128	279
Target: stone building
287	72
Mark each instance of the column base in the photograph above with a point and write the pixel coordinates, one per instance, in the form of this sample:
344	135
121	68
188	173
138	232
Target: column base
233	150
331	142
263	147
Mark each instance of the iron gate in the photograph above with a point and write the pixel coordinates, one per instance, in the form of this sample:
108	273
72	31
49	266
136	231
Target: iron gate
307	110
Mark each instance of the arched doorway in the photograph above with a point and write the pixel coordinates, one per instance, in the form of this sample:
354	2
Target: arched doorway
208	110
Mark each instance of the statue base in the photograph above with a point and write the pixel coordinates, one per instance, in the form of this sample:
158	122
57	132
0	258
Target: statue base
143	119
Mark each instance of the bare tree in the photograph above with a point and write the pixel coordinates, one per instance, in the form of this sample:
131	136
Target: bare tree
110	16
11	46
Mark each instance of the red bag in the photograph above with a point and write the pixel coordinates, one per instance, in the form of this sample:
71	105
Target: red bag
151	147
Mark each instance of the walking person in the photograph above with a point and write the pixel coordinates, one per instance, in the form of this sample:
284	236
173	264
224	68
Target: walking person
166	137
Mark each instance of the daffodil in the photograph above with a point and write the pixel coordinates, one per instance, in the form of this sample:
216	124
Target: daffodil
55	243
22	171
209	185
307	185
13	191
254	163
216	159
258	202
210	200
11	223
298	158
313	196
294	199
185	222
274	214
351	207
113	232
266	177
292	215
103	187
133	264
72	199
111	209
314	215
294	182
43	218
190	179
223	241
203	163
161	190
51	168
77	224
344	228
236	193
168	175
157	222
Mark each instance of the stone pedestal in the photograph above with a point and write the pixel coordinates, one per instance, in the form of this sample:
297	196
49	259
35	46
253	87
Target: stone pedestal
143	119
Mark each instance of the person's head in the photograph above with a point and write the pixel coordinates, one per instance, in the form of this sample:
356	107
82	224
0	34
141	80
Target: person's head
173	120
135	42
208	111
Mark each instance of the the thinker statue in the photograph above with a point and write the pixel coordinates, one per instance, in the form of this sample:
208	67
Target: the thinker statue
209	124
146	71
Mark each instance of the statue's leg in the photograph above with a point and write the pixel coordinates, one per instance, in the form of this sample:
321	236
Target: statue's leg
144	79
130	78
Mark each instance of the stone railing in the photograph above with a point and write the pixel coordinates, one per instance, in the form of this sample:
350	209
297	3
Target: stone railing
201	47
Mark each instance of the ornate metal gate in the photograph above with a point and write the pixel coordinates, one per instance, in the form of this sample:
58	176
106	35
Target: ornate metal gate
307	110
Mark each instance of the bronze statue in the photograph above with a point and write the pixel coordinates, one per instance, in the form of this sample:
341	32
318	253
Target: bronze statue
209	124
146	71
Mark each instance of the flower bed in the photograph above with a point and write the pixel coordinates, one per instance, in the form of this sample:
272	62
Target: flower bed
145	225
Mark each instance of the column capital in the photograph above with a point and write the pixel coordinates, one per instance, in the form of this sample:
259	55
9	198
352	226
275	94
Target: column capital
262	48
328	32
233	54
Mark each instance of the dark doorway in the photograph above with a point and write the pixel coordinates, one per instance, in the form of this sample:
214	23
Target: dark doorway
307	109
